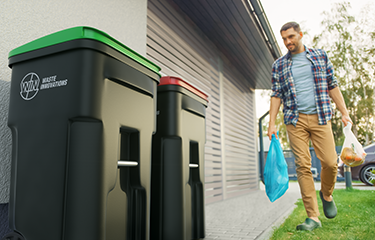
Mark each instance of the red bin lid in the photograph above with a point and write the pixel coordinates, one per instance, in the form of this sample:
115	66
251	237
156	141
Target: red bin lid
168	80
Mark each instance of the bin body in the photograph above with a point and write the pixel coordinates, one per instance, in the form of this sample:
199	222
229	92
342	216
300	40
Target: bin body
177	198
76	109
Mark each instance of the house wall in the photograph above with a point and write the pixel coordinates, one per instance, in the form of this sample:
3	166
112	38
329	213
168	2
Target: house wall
181	49
5	142
24	21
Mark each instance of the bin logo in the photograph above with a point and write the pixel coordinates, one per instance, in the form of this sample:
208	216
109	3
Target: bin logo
30	86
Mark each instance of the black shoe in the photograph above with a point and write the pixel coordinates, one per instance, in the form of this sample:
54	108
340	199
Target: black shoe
309	225
330	210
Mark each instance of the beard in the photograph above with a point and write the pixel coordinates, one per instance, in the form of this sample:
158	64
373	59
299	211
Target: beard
293	48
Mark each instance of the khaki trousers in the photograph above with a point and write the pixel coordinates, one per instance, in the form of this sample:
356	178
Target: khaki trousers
321	136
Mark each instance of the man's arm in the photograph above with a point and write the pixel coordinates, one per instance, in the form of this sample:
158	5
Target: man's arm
337	97
274	110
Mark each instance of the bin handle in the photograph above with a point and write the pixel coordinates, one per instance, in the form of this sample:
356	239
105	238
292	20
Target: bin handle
127	163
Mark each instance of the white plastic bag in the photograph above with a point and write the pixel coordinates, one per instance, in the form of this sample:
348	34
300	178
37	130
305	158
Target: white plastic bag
352	153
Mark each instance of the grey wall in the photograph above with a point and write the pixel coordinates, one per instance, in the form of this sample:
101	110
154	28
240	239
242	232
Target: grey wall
22	21
5	142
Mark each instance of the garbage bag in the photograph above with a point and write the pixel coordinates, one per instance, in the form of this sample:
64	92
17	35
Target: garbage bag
352	153
276	177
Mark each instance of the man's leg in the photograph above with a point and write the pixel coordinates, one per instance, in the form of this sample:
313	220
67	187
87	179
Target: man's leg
324	146
299	137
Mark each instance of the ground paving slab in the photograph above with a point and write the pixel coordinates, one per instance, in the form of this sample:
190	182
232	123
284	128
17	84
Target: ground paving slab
253	216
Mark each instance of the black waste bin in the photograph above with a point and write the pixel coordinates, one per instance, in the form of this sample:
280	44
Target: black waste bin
82	114
177	186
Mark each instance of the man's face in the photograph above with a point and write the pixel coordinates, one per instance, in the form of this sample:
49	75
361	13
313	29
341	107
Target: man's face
292	40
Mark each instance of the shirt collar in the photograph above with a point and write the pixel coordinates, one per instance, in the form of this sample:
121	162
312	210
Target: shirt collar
289	54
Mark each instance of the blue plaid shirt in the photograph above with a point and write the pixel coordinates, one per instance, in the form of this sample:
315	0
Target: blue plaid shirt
324	80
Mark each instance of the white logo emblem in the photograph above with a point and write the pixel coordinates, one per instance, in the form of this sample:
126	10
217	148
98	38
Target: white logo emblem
29	86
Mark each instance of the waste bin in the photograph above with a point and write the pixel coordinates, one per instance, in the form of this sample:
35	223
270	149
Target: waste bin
177	186
82	114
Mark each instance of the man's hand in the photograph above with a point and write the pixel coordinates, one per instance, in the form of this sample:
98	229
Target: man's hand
272	130
346	119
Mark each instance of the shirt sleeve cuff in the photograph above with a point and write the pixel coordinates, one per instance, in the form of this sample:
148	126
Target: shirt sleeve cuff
276	94
332	86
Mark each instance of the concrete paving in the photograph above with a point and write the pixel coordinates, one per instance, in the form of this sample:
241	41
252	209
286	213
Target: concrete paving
253	216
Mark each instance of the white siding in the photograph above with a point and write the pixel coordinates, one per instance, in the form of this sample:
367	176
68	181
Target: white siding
182	50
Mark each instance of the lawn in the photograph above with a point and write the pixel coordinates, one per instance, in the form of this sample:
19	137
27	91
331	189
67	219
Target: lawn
355	218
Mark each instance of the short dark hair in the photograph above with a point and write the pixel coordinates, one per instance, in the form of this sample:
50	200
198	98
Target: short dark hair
293	25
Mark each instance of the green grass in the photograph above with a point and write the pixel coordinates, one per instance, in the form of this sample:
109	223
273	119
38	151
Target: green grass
353	181
355	218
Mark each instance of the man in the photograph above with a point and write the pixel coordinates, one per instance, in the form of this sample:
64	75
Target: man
303	81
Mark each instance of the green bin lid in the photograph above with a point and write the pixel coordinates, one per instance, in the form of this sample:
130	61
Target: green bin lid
83	32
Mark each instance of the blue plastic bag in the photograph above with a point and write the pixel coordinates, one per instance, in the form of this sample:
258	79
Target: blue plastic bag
276	177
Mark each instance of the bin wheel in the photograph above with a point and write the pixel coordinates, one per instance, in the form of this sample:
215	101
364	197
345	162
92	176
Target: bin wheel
13	236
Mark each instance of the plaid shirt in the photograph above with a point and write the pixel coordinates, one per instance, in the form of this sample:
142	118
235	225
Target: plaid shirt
324	80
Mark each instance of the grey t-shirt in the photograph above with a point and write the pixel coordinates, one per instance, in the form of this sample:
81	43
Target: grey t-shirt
304	83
